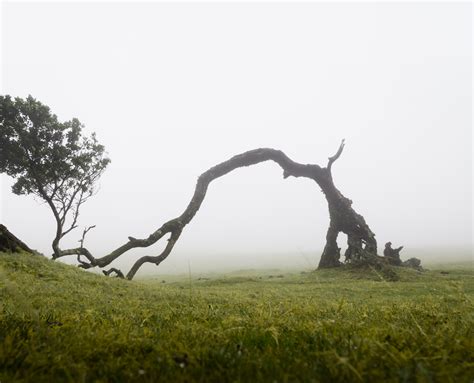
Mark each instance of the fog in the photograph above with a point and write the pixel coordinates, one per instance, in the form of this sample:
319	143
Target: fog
173	89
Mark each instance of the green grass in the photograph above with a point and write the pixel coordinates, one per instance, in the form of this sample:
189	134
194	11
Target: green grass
59	323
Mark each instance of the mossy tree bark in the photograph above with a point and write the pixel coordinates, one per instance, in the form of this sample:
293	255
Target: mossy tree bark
343	218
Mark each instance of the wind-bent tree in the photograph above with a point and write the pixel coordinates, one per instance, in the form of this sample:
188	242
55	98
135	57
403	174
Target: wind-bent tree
49	159
360	239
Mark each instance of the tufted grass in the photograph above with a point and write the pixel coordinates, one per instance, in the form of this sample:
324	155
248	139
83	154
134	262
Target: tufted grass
62	324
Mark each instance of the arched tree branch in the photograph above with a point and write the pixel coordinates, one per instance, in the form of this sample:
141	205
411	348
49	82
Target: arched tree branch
249	158
343	217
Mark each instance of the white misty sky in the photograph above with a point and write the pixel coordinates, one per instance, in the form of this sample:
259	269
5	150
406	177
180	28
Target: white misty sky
174	88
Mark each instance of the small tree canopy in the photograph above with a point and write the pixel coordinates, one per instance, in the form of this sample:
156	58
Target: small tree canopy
49	158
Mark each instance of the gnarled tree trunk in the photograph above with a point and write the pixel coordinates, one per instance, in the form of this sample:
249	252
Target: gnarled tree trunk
343	218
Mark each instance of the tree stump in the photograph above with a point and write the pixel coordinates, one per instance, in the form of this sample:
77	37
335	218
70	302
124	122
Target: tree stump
9	243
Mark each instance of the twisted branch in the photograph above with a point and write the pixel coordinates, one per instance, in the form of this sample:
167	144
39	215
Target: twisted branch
332	159
118	273
86	230
174	227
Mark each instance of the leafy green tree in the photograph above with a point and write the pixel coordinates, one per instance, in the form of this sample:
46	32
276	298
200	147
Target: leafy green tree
49	159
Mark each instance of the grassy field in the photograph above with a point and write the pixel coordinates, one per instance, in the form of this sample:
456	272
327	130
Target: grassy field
59	323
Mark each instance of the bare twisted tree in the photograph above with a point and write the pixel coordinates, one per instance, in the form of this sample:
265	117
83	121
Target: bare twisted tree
343	218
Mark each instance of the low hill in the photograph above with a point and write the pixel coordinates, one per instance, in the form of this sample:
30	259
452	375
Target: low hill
60	323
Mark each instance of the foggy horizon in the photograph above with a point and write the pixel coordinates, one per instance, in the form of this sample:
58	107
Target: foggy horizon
174	89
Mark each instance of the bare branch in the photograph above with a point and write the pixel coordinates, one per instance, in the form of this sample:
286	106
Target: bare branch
159	258
114	270
249	158
336	156
343	217
86	230
83	264
75	215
